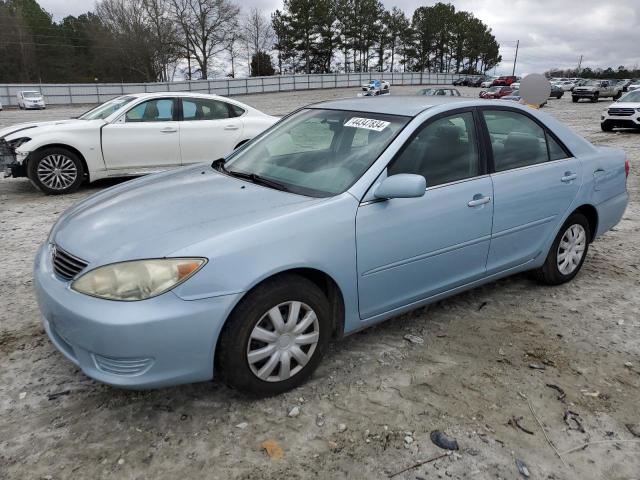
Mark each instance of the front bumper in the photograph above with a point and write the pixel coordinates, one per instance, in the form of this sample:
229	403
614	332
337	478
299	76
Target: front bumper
584	94
9	163
153	343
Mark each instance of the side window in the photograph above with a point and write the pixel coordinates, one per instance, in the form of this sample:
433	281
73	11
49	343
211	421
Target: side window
556	152
516	140
160	110
443	151
204	109
236	111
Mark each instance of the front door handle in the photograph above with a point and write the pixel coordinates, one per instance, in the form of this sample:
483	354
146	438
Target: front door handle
169	130
231	127
569	176
478	200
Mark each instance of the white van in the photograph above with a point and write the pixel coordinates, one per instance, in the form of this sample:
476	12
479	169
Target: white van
30	99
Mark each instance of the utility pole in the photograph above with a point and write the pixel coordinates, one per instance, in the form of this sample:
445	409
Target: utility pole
516	58
579	65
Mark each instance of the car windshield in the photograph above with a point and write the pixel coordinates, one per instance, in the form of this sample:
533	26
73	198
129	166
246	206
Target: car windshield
631	97
31	94
316	152
495	89
593	83
103	111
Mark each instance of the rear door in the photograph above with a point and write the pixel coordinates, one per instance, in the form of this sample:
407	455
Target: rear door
210	129
145	137
535	181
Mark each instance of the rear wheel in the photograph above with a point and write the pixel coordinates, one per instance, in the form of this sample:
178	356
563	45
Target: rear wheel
567	254
575	99
617	95
276	337
595	98
55	171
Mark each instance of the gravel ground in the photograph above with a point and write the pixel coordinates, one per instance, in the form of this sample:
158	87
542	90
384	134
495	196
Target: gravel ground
369	409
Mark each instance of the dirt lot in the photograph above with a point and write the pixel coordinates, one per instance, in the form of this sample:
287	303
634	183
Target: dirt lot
471	375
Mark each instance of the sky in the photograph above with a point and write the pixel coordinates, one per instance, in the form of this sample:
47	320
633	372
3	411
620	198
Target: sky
552	33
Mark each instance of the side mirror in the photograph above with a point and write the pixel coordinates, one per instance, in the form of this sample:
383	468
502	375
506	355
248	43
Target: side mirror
402	185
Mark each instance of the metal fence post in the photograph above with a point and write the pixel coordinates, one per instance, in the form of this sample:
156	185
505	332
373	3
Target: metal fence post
279	89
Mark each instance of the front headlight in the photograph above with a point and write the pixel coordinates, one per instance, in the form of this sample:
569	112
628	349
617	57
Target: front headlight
138	279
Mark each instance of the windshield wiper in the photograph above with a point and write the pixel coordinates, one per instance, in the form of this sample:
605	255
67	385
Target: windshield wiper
252	177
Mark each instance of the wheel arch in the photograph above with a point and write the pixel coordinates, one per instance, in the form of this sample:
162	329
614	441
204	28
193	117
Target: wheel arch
591	213
74	150
323	281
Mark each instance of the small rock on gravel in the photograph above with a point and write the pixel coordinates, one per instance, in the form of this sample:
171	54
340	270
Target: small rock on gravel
293	412
414	339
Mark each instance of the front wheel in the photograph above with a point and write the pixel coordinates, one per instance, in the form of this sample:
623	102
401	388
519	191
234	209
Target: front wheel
567	254
55	171
606	127
276	337
595	98
575	99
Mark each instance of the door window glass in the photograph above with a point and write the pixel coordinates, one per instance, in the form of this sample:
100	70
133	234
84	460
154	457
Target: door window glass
205	109
516	140
157	110
443	151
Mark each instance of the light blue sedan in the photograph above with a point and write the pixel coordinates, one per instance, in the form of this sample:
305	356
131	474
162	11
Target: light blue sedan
343	214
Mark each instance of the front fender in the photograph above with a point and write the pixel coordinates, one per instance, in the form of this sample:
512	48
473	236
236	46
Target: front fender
319	237
86	143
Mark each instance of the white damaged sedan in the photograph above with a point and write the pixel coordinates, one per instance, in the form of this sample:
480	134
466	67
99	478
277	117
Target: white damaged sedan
128	136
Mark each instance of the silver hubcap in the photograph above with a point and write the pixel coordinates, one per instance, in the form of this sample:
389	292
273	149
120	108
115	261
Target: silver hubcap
283	341
57	171
571	249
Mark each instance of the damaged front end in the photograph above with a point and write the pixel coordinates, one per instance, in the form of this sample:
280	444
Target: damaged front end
9	161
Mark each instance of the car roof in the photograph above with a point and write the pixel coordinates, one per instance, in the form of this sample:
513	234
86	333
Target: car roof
392	105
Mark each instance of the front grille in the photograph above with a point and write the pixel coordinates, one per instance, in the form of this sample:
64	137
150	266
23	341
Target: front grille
122	366
621	112
66	265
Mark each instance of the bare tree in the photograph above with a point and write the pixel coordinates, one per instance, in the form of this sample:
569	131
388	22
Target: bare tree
258	33
206	28
165	36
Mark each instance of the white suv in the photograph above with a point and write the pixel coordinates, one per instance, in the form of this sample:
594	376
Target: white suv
625	113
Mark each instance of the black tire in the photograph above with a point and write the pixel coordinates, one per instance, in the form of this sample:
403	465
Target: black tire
617	95
549	273
595	98
37	158
575	99
231	354
606	127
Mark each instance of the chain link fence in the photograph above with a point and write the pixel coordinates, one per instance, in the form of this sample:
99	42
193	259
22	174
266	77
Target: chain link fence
92	93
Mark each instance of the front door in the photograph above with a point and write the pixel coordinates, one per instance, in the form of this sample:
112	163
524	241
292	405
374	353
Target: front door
535	182
414	248
146	137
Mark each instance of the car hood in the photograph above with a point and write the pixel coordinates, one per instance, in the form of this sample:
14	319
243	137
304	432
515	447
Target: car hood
157	215
625	105
9	133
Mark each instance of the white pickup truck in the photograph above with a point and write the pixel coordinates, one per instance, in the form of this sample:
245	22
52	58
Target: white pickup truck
595	90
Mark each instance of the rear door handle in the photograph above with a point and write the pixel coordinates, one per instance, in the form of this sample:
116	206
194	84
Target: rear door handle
169	130
478	200
231	127
569	176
